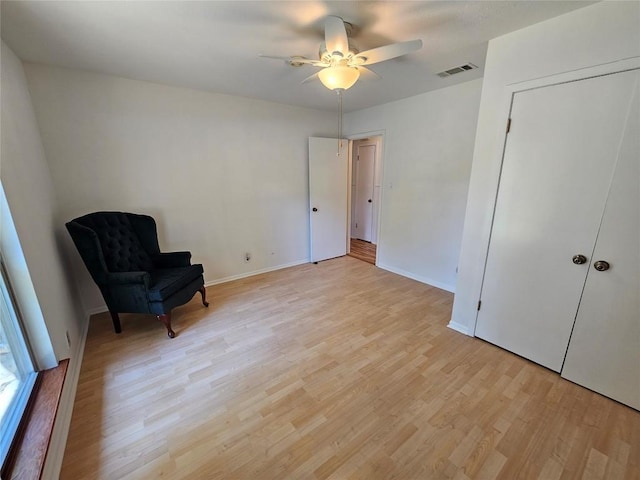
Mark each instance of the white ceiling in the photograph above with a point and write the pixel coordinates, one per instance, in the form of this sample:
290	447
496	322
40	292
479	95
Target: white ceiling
214	45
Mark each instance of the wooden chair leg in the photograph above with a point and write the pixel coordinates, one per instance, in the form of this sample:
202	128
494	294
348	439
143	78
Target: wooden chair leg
116	321
166	319
203	292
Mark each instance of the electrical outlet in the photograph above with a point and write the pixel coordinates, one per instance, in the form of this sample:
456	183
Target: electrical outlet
68	338
247	257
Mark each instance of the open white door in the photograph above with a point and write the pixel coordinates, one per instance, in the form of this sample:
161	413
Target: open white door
328	187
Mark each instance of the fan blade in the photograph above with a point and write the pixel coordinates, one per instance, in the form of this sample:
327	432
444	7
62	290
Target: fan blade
310	78
367	74
335	35
295	59
380	54
286	59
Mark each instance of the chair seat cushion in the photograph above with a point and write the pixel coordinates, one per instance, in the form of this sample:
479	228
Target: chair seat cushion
167	281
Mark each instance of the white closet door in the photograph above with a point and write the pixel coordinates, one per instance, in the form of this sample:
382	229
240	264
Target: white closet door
557	166
604	351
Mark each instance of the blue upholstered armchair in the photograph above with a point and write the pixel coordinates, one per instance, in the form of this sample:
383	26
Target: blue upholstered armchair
121	252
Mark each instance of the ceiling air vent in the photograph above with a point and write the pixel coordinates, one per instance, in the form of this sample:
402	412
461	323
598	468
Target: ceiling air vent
453	71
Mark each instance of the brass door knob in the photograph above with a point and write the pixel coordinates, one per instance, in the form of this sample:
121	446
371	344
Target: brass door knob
601	265
579	259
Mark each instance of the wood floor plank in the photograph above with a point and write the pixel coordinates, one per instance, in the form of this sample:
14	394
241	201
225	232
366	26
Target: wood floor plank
362	250
335	370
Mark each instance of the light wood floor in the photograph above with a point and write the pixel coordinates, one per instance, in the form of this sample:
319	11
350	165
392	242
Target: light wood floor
365	251
338	370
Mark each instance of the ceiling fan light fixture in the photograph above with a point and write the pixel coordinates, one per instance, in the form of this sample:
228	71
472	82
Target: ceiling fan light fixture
338	77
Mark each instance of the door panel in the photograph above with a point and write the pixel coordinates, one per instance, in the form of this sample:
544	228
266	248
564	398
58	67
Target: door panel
558	162
604	351
328	188
365	172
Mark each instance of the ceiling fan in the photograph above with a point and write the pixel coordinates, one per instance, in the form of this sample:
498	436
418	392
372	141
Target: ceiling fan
342	64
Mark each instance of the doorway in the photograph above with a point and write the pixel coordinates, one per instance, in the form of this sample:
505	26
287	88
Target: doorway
365	197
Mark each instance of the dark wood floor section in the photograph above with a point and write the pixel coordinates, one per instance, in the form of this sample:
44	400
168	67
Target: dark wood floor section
331	371
365	251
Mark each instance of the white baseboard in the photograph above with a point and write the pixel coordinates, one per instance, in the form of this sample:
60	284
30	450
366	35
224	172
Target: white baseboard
443	286
255	272
459	328
94	311
419	278
55	453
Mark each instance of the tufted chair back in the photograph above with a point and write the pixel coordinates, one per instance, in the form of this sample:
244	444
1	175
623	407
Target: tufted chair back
119	242
126	242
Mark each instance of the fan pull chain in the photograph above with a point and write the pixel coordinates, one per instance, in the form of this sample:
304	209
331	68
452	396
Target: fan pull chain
339	122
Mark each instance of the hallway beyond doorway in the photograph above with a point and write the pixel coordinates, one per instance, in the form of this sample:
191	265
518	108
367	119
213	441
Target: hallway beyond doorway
365	251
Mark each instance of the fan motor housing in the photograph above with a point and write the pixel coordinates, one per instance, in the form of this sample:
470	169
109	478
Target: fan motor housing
326	56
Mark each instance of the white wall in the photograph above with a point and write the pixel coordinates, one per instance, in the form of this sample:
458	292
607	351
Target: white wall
38	258
595	35
221	175
427	151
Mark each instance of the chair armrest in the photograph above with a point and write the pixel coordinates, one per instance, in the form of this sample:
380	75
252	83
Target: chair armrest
127	291
172	259
127	278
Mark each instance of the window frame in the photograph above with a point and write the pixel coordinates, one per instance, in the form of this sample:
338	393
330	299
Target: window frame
24	361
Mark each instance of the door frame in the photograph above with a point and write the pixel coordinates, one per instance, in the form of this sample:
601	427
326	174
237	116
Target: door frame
380	154
501	134
364	214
